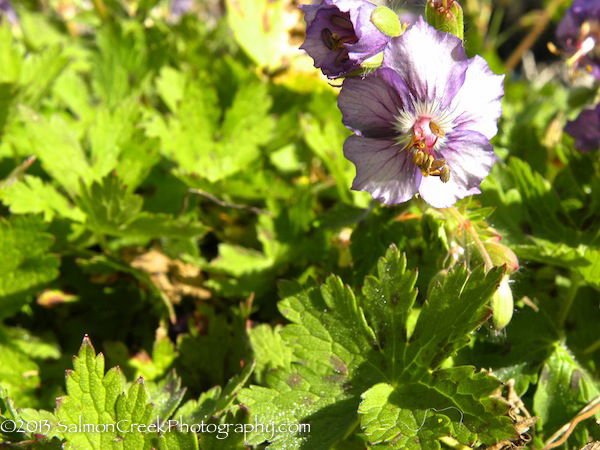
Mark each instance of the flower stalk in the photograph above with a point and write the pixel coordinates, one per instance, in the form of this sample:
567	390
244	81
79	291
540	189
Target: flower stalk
468	227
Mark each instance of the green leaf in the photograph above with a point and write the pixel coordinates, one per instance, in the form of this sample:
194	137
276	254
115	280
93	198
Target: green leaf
108	206
7	94
170	85
32	195
177	441
325	136
564	388
163	355
99	413
11	55
202	357
24	261
259	27
121	64
372	236
166	396
357	356
530	339
200	146
39	71
20	354
269	349
583	259
111	209
541	204
58	149
95	398
215	402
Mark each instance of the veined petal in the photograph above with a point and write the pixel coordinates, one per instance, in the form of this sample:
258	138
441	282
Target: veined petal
470	157
368	105
478	104
310	11
433	63
370	40
331	62
382	169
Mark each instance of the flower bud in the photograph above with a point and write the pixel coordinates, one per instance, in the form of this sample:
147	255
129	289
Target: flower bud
502	305
387	21
445	15
500	254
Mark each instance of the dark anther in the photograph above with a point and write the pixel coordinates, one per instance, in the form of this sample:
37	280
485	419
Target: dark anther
342	57
327	37
342	22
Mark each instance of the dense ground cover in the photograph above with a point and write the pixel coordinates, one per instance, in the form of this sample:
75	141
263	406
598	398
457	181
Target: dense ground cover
176	211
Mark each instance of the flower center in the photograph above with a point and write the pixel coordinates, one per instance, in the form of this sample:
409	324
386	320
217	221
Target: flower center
421	133
426	134
343	33
587	44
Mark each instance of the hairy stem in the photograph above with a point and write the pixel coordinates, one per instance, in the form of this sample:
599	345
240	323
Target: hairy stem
466	224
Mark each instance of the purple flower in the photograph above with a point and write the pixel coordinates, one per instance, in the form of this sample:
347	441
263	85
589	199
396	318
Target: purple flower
180	7
423	121
6	10
340	35
586	129
579	34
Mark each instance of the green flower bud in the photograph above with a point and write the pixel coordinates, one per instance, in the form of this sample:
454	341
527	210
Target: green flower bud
502	305
500	254
445	15
387	21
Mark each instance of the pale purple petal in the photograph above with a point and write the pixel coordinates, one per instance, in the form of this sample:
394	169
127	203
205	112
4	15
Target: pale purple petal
478	103
370	39
470	157
586	129
433	63
310	11
382	169
369	105
7	11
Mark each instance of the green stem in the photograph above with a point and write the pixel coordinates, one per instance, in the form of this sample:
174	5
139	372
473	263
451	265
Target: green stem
566	305
466	224
592	348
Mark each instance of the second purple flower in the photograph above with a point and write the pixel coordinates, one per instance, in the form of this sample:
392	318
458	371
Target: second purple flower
423	122
340	35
